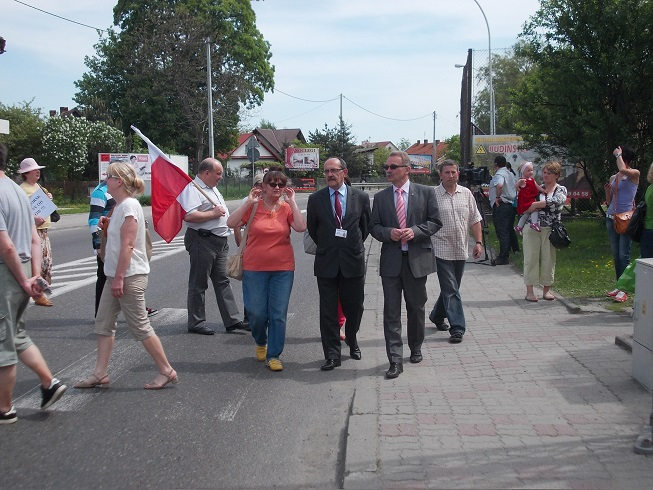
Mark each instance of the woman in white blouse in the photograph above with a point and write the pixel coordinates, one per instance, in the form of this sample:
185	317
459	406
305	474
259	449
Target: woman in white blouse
126	267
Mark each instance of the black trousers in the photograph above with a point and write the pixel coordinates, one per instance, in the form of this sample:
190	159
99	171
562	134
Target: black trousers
351	291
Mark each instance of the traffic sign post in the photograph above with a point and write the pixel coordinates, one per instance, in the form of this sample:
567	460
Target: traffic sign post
252	153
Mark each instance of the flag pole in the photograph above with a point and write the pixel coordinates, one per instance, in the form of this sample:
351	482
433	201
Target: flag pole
152	145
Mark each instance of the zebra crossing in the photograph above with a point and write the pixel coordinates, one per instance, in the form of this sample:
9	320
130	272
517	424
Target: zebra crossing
82	272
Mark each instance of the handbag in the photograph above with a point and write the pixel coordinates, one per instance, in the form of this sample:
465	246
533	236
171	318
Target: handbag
621	220
636	225
309	245
559	237
235	262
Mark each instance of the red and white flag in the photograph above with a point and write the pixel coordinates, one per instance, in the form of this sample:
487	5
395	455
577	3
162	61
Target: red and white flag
169	201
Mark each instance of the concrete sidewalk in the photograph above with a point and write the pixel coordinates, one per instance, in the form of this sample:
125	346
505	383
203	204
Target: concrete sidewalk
534	397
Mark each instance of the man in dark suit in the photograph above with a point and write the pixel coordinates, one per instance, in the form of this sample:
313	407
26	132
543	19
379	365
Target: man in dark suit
404	217
338	218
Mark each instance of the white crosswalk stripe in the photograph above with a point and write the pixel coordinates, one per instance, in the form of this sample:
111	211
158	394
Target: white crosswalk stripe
82	272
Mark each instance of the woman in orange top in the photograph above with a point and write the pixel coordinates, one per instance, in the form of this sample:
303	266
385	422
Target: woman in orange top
269	262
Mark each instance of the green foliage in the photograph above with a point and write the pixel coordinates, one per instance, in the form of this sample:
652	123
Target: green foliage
591	89
380	157
24	139
265	124
453	148
586	268
152	73
507	73
71	145
339	142
404	143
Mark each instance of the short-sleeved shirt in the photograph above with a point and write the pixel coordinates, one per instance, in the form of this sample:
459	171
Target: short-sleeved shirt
138	263
458	212
218	226
31	189
16	217
268	240
504	177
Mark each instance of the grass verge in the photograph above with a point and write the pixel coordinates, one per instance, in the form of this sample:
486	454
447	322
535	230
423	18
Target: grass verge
585	270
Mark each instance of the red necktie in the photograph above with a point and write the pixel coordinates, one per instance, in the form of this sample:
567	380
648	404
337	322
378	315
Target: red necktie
338	208
401	212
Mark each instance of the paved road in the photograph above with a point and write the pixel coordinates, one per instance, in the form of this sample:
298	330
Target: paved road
229	423
535	397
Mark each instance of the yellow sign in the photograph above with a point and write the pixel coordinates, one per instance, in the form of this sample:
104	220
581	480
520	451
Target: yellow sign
480	150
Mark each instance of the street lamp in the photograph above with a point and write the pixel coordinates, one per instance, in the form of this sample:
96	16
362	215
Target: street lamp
489	63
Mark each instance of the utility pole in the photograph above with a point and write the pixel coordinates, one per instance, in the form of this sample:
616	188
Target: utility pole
209	91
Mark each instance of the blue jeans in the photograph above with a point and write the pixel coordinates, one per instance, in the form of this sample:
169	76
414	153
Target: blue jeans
266	296
620	245
449	304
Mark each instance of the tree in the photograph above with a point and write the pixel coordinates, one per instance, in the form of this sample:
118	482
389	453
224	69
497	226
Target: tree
24	140
453	149
507	73
71	145
265	124
404	144
152	73
591	87
339	142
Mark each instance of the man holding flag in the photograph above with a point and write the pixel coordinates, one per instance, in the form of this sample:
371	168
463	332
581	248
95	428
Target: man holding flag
206	243
175	199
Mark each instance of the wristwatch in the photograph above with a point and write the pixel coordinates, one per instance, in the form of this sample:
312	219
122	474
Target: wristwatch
479	243
617	155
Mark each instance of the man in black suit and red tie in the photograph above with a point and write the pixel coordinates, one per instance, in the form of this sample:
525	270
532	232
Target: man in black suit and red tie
404	217
337	219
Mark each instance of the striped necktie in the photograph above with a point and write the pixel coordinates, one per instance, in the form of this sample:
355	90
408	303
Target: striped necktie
401	212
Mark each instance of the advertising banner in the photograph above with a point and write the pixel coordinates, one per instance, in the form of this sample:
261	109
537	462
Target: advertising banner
302	158
303	184
420	164
140	162
485	148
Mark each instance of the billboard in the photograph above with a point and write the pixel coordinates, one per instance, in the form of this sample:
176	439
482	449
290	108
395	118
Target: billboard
485	148
140	162
302	158
420	164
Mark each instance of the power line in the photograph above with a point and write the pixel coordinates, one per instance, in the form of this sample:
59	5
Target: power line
430	114
59	16
357	105
306	100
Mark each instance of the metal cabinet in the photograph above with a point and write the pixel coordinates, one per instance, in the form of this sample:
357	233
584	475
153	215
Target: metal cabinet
643	328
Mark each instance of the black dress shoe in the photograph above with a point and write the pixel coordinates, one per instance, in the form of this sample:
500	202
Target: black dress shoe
330	364
239	326
396	368
456	338
202	330
441	326
355	353
501	261
416	357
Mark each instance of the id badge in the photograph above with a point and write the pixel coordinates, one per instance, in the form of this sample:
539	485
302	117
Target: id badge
341	233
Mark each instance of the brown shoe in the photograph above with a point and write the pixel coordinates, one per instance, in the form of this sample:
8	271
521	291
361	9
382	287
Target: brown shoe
43	301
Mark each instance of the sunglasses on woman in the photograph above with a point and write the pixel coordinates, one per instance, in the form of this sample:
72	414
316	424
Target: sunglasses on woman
276	184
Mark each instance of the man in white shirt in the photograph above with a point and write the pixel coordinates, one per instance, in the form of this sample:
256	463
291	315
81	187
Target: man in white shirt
458	212
502	195
206	243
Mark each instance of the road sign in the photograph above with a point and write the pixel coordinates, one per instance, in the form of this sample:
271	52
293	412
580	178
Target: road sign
253	154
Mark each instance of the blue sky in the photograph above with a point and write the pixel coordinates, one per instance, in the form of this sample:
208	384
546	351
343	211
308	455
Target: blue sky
392	58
